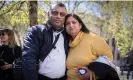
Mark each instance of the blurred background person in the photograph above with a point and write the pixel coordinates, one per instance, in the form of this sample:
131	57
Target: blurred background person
9	52
0	37
0	42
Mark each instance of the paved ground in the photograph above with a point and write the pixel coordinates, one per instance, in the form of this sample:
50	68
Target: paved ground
124	76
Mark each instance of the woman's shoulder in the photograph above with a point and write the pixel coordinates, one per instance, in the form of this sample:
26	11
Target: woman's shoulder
92	35
4	47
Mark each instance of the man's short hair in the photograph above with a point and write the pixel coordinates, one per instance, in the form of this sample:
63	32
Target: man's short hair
58	4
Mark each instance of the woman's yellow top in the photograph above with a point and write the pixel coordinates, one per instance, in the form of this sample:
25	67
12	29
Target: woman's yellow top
84	49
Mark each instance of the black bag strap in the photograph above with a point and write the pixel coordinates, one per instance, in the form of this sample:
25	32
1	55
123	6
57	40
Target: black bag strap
13	51
1	54
42	57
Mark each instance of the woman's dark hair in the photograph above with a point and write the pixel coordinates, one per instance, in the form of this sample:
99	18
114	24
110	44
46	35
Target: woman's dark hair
1	30
83	27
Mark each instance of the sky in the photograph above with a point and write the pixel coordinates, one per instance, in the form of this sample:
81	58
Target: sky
91	8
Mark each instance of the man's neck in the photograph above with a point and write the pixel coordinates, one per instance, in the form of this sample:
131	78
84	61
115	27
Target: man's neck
57	30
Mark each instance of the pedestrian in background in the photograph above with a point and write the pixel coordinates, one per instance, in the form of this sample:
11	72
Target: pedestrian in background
9	51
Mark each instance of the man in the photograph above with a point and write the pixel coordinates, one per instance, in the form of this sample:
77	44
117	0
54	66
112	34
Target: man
37	42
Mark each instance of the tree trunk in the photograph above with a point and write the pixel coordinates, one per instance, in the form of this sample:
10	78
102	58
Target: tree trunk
33	13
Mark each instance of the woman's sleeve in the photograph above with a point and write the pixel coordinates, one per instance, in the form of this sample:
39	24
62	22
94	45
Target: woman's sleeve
101	48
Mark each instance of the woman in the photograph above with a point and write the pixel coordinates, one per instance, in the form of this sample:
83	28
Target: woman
85	47
9	52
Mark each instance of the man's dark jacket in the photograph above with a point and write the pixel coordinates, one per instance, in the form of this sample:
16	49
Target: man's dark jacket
36	41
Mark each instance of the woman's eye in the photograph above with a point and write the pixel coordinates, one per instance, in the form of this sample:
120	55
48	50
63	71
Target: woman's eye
67	23
74	22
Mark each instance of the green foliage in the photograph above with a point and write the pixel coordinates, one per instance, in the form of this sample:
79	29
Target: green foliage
120	24
123	41
42	17
20	16
15	15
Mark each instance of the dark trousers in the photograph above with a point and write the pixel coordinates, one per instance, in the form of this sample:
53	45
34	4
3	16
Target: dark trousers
42	77
6	75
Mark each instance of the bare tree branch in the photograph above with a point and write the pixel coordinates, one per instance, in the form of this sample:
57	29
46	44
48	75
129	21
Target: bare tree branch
20	5
9	9
83	14
3	3
102	2
77	3
48	3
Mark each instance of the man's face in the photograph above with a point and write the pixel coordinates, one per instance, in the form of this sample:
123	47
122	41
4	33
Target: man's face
57	16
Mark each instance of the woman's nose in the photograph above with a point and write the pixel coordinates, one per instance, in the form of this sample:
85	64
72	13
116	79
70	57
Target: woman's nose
71	25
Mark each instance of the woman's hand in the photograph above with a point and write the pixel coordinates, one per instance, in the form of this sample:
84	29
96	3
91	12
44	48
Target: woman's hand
86	75
6	67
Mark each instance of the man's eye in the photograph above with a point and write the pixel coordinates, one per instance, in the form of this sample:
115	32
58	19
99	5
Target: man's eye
54	13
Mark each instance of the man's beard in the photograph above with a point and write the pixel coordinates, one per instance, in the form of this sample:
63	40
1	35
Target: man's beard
56	27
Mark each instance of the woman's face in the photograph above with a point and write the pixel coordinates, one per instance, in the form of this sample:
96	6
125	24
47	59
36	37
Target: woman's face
4	37
72	26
